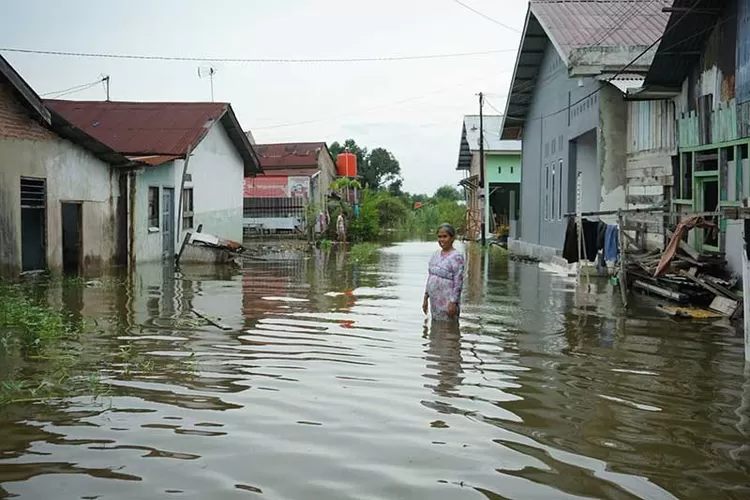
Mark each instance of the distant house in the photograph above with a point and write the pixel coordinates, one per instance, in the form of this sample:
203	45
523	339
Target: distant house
195	157
295	176
566	103
59	188
499	203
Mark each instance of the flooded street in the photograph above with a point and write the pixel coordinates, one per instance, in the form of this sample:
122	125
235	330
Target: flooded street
331	385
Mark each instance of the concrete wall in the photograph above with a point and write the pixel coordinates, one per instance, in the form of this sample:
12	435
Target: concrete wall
327	176
71	173
503	168
217	173
148	242
555	118
612	140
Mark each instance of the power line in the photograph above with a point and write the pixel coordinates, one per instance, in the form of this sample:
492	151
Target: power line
72	90
251	60
482	14
619	72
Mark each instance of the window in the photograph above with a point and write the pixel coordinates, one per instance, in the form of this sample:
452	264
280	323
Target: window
511	170
560	192
546	191
187	208
153	207
499	170
553	211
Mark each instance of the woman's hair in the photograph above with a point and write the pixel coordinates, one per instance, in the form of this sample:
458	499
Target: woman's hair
448	229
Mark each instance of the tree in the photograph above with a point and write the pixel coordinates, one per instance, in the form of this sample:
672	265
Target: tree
378	168
448	193
391	210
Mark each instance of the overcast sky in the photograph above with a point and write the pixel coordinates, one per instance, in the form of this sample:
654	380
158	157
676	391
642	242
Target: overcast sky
412	108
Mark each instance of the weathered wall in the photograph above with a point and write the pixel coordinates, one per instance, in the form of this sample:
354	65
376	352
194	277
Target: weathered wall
218	179
651	144
327	175
72	174
503	168
148	242
561	111
612	139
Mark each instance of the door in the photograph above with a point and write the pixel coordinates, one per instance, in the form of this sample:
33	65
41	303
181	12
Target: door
72	237
33	224
707	198
167	199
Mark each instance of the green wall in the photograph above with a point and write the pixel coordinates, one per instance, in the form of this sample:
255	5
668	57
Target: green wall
503	168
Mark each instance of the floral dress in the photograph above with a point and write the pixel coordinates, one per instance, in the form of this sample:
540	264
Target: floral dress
445	282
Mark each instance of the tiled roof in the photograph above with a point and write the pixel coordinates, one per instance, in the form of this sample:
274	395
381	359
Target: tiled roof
153	132
290	155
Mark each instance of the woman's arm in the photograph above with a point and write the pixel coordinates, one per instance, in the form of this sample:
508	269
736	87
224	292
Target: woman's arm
458	279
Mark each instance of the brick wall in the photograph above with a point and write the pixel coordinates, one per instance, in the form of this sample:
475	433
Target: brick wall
15	121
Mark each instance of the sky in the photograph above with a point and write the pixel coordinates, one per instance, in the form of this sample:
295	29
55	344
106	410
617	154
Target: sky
413	108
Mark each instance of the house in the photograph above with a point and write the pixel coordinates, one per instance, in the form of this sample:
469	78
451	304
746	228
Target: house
296	176
502	176
701	71
59	188
194	158
566	103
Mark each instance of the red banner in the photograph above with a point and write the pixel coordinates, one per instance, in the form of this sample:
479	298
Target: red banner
266	187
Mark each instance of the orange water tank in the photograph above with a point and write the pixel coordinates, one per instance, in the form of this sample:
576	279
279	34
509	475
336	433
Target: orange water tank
346	165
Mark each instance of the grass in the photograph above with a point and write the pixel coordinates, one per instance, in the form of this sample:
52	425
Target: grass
363	252
326	245
27	324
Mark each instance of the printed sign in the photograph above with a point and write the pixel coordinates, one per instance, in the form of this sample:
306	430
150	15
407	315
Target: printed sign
269	186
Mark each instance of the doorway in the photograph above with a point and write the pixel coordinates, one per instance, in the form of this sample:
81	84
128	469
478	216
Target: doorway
33	224
72	237
707	196
167	223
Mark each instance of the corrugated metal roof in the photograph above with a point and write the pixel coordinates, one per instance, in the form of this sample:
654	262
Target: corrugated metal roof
292	154
155	132
684	39
572	25
575	24
492	141
136	128
289	172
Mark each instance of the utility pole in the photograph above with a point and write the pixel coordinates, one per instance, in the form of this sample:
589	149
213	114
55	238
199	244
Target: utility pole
482	191
210	71
106	85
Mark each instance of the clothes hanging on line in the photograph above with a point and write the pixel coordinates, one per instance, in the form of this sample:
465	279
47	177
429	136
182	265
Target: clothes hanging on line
594	237
611	243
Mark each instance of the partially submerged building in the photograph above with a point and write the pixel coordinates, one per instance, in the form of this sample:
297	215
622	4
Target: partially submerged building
296	177
498	204
192	159
566	103
59	188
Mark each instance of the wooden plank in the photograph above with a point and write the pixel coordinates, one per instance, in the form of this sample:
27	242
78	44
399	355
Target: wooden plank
711	288
669	294
693	253
724	305
211	320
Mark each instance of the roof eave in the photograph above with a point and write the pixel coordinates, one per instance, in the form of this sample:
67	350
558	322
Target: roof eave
31	98
241	142
517	122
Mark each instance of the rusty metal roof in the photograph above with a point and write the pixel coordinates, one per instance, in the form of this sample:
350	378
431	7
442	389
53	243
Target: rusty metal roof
154	132
574	24
290	155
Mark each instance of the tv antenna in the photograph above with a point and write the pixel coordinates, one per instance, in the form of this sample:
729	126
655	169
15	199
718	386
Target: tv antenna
209	71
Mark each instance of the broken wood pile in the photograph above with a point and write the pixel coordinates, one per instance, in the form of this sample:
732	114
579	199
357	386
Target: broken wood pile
697	282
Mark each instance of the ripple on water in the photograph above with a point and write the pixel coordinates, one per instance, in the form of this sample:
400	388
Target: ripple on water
331	385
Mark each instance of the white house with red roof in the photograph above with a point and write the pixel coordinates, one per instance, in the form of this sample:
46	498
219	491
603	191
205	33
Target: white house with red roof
296	177
191	160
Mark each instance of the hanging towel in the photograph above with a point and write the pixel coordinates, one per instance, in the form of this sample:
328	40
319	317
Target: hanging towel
570	246
611	243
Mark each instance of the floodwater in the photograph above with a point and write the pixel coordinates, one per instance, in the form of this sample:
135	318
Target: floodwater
331	385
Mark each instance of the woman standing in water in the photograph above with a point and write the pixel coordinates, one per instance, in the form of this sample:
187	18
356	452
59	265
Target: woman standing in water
446	279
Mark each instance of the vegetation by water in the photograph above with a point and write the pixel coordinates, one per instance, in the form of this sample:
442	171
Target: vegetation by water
363	252
27	324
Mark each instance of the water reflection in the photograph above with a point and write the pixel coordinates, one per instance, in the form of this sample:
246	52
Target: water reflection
328	370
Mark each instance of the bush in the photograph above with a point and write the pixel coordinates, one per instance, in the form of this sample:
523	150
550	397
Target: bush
366	227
